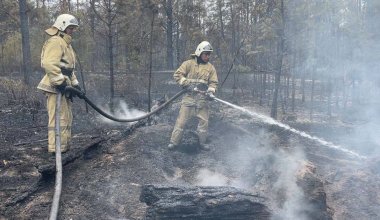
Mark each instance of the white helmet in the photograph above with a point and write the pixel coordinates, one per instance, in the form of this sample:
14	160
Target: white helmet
204	46
65	20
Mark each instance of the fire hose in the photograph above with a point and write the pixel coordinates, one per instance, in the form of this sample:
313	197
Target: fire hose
58	155
96	108
58	161
268	120
80	94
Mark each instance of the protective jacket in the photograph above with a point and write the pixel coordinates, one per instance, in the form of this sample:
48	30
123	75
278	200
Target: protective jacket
58	61
193	72
194	103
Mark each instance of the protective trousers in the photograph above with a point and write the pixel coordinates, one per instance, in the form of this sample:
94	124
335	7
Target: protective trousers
66	119
186	113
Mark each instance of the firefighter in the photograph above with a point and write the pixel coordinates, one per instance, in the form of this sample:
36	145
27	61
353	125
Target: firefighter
197	73
58	62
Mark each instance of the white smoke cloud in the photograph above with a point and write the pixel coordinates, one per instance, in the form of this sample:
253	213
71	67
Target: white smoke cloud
288	165
206	177
364	137
254	164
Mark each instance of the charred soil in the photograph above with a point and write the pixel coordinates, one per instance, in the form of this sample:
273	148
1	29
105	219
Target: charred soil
109	164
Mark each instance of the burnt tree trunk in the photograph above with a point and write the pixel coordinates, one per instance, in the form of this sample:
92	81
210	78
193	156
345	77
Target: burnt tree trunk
169	33
110	57
26	57
220	18
150	59
280	55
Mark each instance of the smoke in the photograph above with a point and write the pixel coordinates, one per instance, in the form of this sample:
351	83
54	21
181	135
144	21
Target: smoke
295	205
122	111
342	54
365	133
254	164
347	54
206	177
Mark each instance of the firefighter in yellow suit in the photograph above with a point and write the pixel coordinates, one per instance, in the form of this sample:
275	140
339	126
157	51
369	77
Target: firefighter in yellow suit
197	73
58	61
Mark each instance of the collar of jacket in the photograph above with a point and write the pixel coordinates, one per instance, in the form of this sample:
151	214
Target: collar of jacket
65	37
196	60
200	61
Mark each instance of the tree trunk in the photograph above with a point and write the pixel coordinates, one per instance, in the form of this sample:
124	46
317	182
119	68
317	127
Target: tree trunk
280	55
177	38
26	56
233	43
329	94
169	33
263	88
93	52
295	71
2	58
220	18
312	95
345	95
65	6
150	60
116	48
303	85
293	92
110	57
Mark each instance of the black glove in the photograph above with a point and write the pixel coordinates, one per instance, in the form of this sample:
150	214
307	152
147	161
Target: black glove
210	95
202	87
61	88
81	93
70	96
191	87
77	87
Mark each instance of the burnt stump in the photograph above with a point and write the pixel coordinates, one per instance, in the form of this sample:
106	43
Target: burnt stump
206	202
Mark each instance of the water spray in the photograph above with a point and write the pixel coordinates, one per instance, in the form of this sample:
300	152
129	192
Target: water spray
264	118
271	121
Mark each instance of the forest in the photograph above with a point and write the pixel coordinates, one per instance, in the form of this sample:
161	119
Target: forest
311	66
322	53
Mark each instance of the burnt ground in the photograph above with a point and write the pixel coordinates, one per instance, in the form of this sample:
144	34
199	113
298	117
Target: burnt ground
102	178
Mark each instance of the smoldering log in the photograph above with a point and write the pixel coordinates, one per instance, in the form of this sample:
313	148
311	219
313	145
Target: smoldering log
209	202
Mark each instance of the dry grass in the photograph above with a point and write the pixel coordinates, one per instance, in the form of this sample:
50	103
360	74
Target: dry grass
17	92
